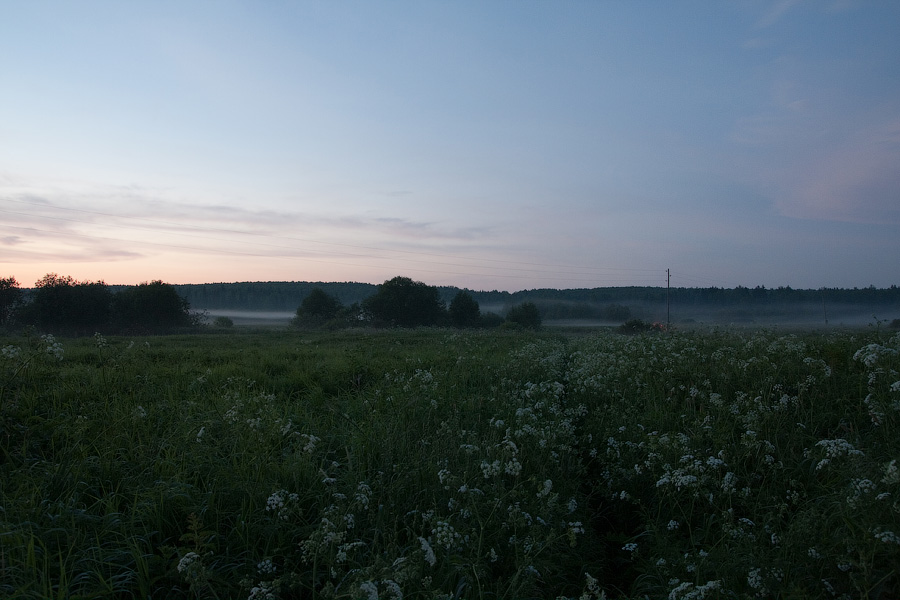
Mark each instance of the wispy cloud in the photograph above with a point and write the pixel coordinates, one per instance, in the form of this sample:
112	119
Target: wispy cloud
776	11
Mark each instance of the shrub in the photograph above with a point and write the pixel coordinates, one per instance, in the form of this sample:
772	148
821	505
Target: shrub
317	308
464	310
525	314
62	304
223	322
154	306
403	302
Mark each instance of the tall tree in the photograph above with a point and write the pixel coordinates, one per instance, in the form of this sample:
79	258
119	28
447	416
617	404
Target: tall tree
62	304
10	297
405	303
464	310
317	308
152	306
525	314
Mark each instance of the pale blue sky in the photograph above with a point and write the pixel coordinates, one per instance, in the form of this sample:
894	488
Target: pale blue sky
490	145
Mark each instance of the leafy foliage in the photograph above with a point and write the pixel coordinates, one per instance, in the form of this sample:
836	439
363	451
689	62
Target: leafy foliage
317	308
464	311
154	306
526	315
10	297
403	302
436	464
63	305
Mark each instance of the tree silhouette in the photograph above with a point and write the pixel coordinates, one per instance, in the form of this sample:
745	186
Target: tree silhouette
403	302
152	306
525	314
317	308
464	310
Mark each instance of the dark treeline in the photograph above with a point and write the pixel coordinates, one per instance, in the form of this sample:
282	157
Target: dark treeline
63	305
606	303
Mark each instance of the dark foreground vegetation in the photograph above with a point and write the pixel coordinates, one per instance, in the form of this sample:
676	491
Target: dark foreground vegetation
446	463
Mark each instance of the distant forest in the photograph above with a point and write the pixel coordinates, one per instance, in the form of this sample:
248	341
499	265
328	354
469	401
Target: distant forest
604	303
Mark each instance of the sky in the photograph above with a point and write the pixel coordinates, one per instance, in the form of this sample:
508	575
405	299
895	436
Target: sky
492	145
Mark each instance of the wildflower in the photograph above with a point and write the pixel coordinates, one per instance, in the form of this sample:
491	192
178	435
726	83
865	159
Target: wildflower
393	589
184	565
52	347
574	528
891	473
369	589
139	413
446	536
490	469
266	567
10	352
755	580
100	341
630	547
429	551
262	592
673	525
548	485
888	537
278	503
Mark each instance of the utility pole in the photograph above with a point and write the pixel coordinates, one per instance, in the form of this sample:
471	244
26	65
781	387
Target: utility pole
668	281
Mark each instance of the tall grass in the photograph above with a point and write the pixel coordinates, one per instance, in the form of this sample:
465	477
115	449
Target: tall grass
435	464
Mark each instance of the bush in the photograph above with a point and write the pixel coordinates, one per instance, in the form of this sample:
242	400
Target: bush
634	326
525	314
223	322
403	302
61	304
10	297
317	308
154	306
464	310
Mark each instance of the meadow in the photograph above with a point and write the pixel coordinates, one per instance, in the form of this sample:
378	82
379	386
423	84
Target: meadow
712	463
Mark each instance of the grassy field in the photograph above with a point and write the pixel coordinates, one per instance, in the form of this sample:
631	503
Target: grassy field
441	464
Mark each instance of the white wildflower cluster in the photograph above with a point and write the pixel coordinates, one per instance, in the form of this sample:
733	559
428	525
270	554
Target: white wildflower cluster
309	442
888	537
891	473
860	488
139	413
870	355
262	591
10	352
574	528
592	589
281	503
430	558
191	567
52	347
100	341
266	567
835	448
689	591
445	535
490	469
